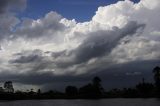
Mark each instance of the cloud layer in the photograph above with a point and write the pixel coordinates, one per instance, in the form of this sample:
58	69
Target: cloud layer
54	46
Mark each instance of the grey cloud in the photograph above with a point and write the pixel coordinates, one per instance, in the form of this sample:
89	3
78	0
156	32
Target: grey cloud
33	61
97	45
136	48
114	76
3	5
7	24
8	5
8	21
48	26
58	54
102	42
27	57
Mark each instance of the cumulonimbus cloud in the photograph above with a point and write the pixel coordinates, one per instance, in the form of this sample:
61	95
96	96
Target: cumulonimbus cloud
117	34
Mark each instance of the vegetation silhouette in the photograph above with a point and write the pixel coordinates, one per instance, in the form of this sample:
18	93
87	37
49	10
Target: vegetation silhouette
156	72
92	90
145	89
71	91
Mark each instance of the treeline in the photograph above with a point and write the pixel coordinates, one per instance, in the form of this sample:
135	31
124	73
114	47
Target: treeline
92	90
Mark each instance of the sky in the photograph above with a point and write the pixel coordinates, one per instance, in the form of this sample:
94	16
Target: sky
49	44
80	10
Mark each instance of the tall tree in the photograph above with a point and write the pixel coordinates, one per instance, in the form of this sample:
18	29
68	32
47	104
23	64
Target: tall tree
9	87
97	87
96	81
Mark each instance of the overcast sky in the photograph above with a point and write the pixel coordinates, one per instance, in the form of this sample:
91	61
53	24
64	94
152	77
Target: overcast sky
52	44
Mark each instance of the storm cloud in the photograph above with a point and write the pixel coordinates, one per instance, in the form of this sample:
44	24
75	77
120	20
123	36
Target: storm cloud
102	42
97	44
40	51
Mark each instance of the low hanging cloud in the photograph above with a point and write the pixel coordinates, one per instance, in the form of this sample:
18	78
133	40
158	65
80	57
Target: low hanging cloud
53	46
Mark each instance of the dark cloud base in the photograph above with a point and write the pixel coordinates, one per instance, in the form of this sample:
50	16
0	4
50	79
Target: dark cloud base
111	77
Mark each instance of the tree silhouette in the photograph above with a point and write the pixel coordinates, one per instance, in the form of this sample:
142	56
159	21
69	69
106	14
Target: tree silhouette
86	89
92	90
71	90
97	85
156	72
8	87
96	81
39	91
144	89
